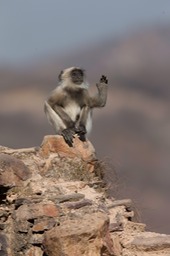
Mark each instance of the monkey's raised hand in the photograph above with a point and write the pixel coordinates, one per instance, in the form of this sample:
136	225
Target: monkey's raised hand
103	79
68	135
99	100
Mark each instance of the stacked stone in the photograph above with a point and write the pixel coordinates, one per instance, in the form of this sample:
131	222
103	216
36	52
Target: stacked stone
53	203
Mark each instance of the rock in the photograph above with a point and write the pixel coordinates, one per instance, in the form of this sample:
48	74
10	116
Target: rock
22	226
50	200
3	245
33	211
134	227
4	213
56	144
20	201
37	239
68	169
43	225
2	226
115	227
34	251
77	237
69	197
80	204
125	202
117	249
12	171
108	246
149	241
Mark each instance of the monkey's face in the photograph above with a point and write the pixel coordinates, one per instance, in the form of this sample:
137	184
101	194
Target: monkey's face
77	76
73	77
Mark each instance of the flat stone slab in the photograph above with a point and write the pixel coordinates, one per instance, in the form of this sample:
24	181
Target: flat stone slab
149	241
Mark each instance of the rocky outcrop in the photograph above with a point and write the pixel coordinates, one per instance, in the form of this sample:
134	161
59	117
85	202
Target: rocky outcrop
53	203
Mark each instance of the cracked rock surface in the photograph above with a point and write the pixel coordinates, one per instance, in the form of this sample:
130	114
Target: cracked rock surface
53	203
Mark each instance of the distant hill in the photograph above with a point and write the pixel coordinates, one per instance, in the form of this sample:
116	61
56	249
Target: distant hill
140	60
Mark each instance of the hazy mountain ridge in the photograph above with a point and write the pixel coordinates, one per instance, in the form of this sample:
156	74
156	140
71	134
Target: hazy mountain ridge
140	60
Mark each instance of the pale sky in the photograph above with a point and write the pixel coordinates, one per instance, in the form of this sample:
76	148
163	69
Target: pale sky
33	28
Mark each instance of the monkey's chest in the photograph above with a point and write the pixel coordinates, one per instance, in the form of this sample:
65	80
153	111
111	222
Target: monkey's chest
73	110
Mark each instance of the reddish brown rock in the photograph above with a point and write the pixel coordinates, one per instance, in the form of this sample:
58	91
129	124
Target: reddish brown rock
12	171
56	144
43	225
77	237
33	211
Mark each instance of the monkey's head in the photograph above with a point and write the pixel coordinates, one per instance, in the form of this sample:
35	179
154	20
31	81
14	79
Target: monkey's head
73	77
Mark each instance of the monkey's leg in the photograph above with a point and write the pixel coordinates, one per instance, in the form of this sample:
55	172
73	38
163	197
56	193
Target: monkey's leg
69	123
81	125
69	131
54	119
59	124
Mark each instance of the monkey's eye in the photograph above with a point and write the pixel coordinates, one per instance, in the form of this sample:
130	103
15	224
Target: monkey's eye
77	72
80	72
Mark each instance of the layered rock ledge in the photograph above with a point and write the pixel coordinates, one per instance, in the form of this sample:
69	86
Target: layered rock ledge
53	203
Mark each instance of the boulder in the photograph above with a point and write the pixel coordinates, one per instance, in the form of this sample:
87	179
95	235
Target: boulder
79	236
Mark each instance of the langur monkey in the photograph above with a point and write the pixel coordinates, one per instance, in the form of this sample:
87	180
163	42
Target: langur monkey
69	108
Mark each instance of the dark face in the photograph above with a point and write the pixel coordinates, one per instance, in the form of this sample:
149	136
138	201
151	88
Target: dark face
77	76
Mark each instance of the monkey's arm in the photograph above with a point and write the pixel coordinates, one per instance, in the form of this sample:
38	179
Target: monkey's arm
99	100
58	124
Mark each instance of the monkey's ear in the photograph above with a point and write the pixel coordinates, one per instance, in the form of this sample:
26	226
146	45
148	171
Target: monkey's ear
60	76
84	71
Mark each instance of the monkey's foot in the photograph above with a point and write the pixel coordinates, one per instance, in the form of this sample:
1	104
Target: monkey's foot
81	129
81	132
68	136
82	137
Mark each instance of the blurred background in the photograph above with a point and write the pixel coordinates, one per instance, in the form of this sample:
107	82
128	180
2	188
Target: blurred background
129	41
